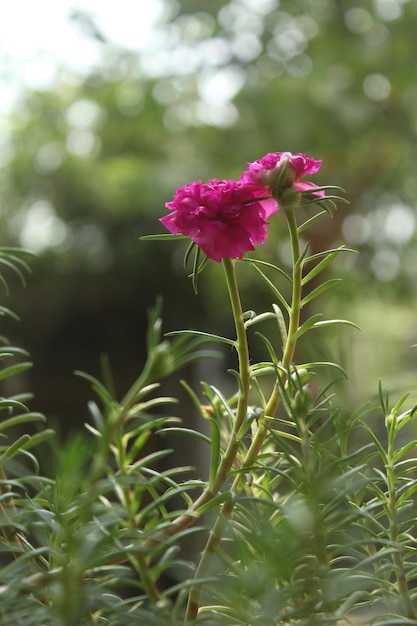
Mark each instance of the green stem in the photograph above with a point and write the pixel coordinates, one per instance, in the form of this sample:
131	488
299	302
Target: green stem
398	555
223	471
272	405
242	344
297	274
294	317
289	348
234	441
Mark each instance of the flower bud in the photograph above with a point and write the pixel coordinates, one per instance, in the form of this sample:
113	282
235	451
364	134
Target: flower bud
287	198
161	362
303	401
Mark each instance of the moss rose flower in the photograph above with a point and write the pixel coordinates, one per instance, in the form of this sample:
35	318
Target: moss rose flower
225	218
279	172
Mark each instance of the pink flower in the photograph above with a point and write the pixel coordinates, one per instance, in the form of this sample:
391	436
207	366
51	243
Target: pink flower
279	171
224	218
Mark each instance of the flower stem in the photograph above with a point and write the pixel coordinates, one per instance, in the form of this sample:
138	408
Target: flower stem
272	405
288	349
394	523
225	465
297	274
234	441
242	345
294	323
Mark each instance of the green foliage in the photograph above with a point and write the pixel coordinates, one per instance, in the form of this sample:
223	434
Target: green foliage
305	523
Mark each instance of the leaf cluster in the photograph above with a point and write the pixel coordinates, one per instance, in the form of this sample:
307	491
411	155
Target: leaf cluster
320	526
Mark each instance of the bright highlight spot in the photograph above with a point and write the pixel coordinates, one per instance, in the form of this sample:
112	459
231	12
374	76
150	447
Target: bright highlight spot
42	228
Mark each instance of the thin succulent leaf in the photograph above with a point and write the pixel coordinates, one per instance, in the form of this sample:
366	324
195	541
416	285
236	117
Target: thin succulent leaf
301	259
187	254
336	322
329	206
319	290
153	457
24	443
256	319
224	402
196	266
376	441
154	402
186	431
213	399
97	386
263	368
193	397
7	312
274	290
165	476
207	336
162	237
4	260
315	364
407	494
270	349
18	255
312	220
248	315
328	187
237	376
287	435
38	438
407	466
197	355
153	335
15	265
383	398
310	323
285	397
276	268
281	324
145	391
107	374
214	451
329	200
97	416
223	611
400	403
185	350
12	351
331	251
214	503
10	403
158	504
92	430
12	370
403	419
259	391
394	620
187	584
329	255
183	345
4	284
399	454
387	549
22	419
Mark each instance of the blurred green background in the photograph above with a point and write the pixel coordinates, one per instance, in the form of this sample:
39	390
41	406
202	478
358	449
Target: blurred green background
88	162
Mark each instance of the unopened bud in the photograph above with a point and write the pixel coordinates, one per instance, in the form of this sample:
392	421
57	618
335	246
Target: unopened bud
303	401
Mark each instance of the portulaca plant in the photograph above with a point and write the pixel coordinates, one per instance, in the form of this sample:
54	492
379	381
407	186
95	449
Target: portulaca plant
306	514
